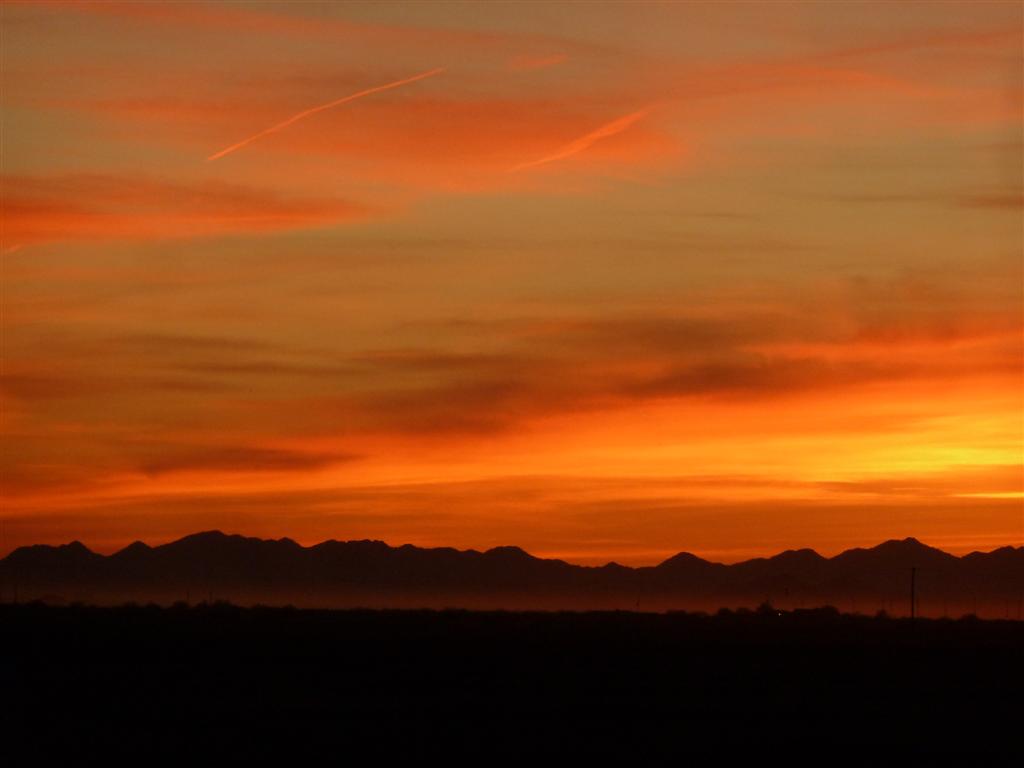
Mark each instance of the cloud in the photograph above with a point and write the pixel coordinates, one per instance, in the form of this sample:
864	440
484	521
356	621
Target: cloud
27	386
331	29
938	39
164	342
478	378
1010	200
329	105
171	458
105	206
110	460
529	63
426	144
85	385
584	142
556	368
489	122
953	482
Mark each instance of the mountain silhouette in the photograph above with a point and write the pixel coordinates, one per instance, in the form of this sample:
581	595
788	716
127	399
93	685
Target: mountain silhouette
215	565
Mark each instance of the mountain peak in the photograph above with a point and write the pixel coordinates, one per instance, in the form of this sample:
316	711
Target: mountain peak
74	551
909	544
509	553
211	535
682	560
803	556
203	541
905	553
909	541
134	549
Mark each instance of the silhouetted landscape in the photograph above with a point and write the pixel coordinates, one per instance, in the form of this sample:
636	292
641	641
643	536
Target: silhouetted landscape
664	283
85	660
210	566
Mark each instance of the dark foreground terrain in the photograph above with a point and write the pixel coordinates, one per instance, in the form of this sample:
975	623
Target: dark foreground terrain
242	680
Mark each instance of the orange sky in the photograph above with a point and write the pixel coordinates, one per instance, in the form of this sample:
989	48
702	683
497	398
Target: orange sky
605	281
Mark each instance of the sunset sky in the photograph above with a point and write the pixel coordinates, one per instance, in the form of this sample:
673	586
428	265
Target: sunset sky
604	281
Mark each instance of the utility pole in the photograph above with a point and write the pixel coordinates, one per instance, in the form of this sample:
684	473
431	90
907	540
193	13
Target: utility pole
913	586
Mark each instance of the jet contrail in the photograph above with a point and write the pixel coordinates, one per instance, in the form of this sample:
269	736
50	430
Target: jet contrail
580	144
314	110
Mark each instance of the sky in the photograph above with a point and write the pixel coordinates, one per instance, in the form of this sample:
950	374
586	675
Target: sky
604	281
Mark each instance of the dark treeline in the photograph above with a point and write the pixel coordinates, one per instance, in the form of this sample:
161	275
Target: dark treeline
113	677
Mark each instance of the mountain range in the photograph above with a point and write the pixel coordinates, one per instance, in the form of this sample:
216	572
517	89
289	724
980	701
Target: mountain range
216	566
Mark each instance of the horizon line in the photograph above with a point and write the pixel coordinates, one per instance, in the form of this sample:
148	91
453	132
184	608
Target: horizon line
288	539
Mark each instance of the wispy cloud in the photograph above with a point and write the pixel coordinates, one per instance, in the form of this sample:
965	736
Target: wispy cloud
1010	200
583	142
110	206
313	110
528	63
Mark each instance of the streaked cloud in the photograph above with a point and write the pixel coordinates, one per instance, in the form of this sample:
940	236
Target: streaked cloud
106	206
329	105
529	63
583	142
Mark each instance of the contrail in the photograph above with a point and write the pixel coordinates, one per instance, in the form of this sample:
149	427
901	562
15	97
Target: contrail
580	144
314	110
